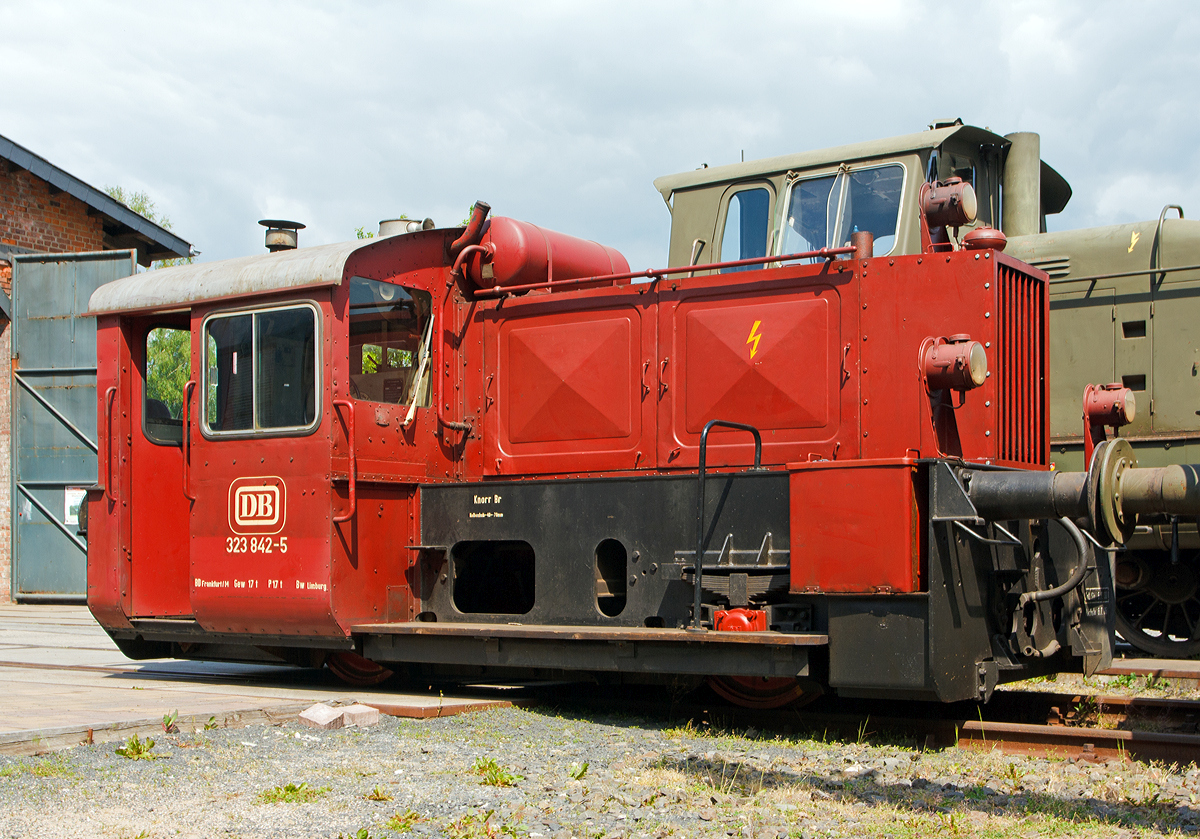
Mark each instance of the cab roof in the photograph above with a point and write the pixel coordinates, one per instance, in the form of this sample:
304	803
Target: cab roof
1055	189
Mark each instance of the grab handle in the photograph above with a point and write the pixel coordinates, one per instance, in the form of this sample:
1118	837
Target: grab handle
350	450
108	400
186	415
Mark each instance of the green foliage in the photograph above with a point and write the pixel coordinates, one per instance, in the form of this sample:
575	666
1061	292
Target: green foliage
168	366
292	794
362	833
142	204
363	233
494	774
136	749
403	822
577	771
169	726
212	722
378	794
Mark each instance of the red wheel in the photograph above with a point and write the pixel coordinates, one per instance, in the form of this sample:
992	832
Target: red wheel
355	670
763	692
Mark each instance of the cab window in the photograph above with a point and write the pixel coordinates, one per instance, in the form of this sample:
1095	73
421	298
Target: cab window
261	371
390	338
823	212
168	368
747	227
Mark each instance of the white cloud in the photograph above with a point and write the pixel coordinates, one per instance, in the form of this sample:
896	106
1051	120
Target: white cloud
563	113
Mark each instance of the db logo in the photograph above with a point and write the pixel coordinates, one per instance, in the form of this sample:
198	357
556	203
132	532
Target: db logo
257	506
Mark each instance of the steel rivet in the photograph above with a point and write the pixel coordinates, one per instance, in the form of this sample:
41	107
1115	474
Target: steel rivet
987	404
987	434
987	285
865	433
987	314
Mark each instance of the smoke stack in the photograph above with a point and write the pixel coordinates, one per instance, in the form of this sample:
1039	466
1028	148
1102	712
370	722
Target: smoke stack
282	235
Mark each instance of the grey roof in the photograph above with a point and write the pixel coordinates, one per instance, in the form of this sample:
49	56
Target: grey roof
123	228
181	286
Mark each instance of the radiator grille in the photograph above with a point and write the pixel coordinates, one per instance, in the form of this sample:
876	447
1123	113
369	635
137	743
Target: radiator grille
1022	355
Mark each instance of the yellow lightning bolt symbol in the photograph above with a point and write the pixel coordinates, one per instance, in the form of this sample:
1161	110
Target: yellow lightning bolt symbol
753	339
1133	240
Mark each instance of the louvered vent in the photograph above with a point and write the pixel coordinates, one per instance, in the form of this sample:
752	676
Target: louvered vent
1056	266
1022	389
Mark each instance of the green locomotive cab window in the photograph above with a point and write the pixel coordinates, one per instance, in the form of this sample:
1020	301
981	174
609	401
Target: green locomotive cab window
261	371
390	342
168	368
823	212
747	228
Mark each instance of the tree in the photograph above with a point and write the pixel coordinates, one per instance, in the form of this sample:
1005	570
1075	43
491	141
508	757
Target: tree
168	366
142	204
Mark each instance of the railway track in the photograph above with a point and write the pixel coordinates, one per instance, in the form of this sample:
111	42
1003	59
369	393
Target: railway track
1064	725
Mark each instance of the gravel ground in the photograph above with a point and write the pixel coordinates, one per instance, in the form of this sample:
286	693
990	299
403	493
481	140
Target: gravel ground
561	773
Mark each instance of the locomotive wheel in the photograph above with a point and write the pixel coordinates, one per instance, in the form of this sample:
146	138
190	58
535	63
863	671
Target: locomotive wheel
355	670
763	692
1158	604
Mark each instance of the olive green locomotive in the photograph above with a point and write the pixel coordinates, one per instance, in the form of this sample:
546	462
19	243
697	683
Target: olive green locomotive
1125	301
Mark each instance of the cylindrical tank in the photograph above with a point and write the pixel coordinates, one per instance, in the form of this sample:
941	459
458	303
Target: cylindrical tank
518	253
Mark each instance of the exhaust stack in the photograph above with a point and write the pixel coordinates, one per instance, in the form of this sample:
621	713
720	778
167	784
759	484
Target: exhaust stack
282	235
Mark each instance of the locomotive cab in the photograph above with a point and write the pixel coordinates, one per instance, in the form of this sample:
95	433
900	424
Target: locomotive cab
261	445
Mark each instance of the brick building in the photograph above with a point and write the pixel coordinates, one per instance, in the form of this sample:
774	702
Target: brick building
46	210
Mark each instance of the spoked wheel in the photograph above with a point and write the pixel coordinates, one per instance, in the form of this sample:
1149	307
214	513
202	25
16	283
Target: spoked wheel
1158	604
763	692
355	670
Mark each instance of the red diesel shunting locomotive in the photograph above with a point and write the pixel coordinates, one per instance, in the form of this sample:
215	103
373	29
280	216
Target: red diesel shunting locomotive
456	450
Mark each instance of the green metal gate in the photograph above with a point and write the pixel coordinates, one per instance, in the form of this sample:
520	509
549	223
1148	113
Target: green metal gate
53	404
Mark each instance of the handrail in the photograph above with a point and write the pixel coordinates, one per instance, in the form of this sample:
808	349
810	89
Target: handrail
696	626
108	395
350	451
1158	242
658	273
186	415
442	388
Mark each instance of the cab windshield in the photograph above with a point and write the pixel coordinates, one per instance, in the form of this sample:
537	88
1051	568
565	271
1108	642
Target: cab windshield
823	212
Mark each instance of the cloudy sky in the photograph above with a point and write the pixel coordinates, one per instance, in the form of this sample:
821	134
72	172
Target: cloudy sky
562	113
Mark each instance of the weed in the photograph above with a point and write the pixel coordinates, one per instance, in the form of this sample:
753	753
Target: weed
211	724
863	734
578	770
136	749
362	833
378	794
169	719
50	767
292	794
494	774
403	822
1124	681
1013	774
1156	682
472	826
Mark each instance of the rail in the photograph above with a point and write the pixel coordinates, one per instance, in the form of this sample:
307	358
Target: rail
656	274
699	571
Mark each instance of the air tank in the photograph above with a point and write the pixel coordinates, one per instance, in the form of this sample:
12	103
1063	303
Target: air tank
516	253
